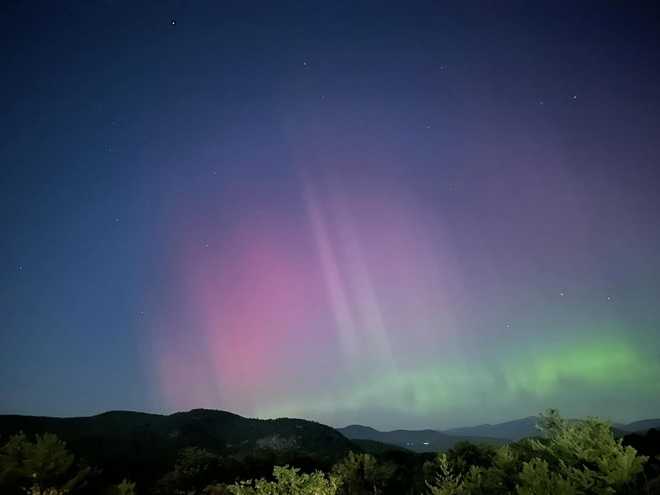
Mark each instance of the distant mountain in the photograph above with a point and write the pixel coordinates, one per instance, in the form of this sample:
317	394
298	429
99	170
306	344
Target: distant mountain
526	427
510	430
133	443
640	426
432	440
415	440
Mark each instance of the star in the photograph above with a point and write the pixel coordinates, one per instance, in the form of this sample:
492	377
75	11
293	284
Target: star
173	22
562	294
20	268
116	219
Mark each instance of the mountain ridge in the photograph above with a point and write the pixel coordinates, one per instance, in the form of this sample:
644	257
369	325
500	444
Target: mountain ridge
200	426
426	440
131	443
416	440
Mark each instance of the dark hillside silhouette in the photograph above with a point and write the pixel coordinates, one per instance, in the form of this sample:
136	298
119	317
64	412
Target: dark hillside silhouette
216	452
640	426
415	440
144	446
509	430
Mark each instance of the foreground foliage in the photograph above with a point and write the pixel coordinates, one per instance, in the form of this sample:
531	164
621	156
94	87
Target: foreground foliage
568	458
44	465
579	458
288	480
363	474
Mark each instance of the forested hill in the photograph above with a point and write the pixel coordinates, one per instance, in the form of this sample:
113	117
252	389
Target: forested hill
132	441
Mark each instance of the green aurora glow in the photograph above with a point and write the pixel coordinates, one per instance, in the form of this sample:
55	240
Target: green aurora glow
612	368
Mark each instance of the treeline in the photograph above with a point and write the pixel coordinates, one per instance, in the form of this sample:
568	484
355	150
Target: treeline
568	458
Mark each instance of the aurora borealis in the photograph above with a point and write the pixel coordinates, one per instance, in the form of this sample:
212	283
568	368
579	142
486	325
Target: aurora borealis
431	216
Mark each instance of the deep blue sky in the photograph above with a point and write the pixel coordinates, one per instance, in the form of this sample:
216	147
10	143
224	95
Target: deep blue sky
400	214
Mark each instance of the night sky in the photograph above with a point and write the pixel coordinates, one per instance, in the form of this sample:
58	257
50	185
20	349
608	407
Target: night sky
417	214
